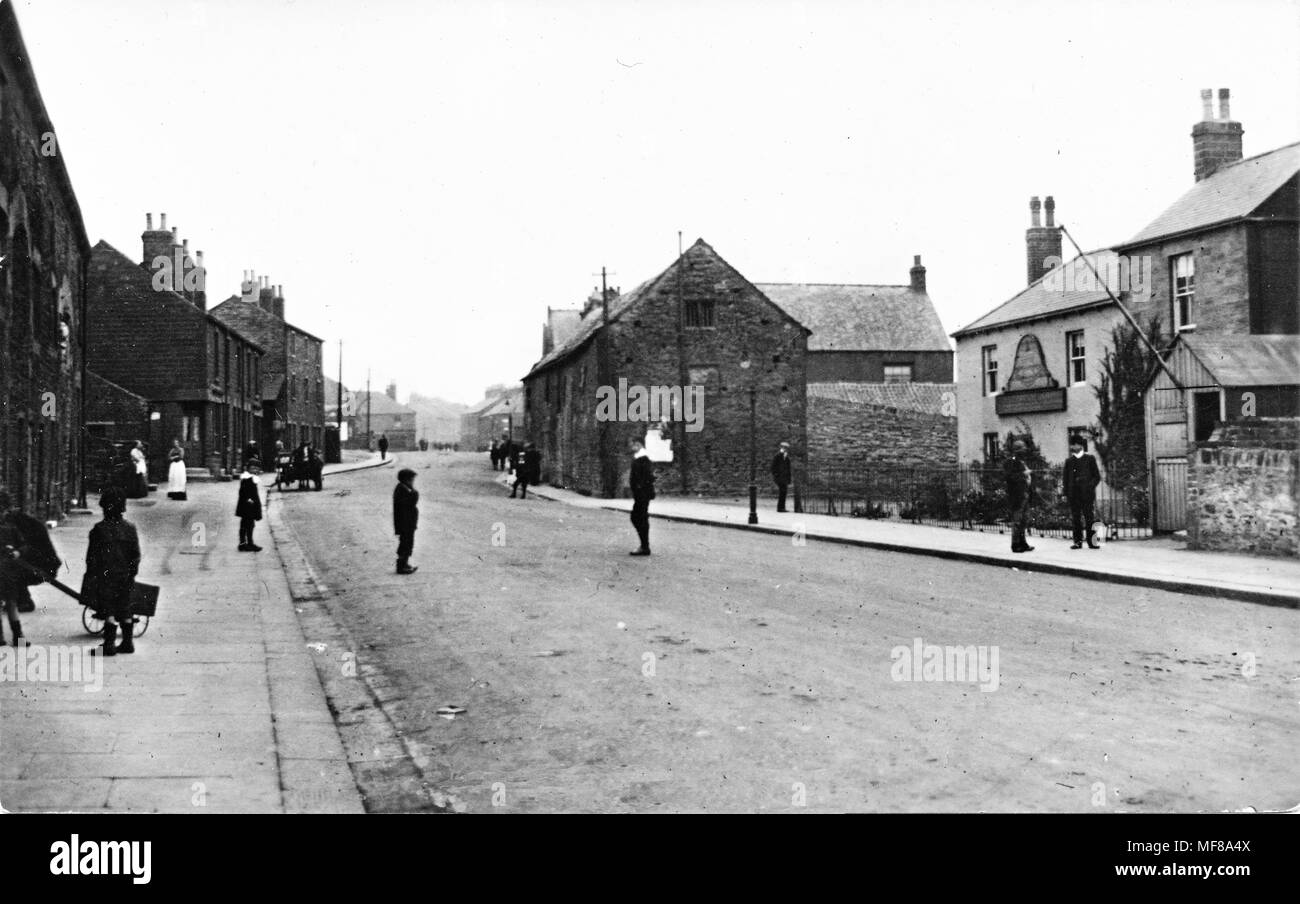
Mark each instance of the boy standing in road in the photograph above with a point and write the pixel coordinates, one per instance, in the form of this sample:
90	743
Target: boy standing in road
643	490
406	515
249	507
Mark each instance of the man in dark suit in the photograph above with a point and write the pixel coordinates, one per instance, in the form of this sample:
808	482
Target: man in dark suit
643	490
406	516
781	472
383	447
1019	493
1081	478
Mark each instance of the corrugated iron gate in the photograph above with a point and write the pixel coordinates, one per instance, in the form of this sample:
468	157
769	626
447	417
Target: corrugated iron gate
1170	487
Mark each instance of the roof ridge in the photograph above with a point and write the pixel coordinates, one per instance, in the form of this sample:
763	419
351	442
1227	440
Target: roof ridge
1032	285
1227	166
841	285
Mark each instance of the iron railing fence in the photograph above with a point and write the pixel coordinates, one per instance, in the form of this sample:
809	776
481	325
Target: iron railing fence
968	497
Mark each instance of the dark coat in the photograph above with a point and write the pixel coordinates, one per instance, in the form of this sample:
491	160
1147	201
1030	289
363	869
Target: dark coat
250	499
530	470
781	470
642	480
1081	478
34	545
114	551
383	444
406	509
1016	473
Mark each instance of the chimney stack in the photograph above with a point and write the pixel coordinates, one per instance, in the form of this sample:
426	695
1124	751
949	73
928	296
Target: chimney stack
392	390
918	274
1041	242
1215	142
277	302
156	242
265	296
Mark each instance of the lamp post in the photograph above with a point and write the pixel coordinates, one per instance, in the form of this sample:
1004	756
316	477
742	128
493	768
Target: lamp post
753	455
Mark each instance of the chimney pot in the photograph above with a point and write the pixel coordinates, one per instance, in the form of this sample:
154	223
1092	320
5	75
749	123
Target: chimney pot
1050	207
1223	105
148	222
918	274
185	246
174	236
1207	104
163	222
1034	206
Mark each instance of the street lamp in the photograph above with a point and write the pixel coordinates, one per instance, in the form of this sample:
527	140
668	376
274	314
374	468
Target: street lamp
753	456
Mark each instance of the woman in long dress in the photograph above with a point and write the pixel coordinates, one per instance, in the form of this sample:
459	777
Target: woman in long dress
139	475
176	472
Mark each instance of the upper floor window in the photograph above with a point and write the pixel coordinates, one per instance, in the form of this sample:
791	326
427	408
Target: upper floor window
989	370
1077	364
898	373
699	314
1182	281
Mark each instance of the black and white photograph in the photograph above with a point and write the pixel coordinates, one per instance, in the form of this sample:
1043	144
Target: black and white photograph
787	407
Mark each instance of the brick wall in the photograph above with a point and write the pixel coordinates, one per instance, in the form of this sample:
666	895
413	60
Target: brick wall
846	433
1243	486
44	245
640	345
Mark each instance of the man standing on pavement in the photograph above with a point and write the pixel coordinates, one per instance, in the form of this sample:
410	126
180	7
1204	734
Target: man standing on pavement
406	516
642	482
1018	476
383	447
1081	478
781	472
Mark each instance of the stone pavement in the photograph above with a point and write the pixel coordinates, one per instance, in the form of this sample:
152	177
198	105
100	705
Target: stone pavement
1162	563
220	709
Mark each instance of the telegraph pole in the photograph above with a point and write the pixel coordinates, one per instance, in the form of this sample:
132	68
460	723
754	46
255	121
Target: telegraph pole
369	437
340	393
681	365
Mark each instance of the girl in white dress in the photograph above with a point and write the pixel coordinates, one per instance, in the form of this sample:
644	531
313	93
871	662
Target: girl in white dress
176	472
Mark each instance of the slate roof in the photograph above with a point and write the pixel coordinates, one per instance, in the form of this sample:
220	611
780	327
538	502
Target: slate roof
235	306
927	398
1265	360
1232	192
380	403
861	318
1047	296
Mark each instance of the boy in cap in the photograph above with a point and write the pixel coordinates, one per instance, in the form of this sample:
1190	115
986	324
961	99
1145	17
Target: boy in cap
406	516
781	473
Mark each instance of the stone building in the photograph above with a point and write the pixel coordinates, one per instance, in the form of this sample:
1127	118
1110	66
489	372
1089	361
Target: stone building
698	332
1241	488
43	255
1033	362
149	332
1225	277
293	377
500	412
869	333
372	415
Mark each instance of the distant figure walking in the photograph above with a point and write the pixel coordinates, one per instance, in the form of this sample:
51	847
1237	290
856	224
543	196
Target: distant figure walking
249	507
494	454
112	561
1081	478
781	474
1019	494
642	483
383	447
176	472
406	517
529	470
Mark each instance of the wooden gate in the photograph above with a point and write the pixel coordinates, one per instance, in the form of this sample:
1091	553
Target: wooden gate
1169	478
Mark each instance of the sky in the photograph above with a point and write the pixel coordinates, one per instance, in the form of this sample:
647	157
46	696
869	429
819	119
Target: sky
426	177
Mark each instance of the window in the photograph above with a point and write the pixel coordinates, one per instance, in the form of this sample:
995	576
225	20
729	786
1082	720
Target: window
898	373
1077	366
991	451
699	314
989	370
1183	282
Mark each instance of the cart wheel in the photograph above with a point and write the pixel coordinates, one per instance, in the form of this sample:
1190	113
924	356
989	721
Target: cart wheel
91	621
141	625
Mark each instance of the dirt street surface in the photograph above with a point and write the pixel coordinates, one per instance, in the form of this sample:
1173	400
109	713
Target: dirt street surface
735	672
